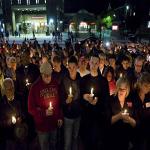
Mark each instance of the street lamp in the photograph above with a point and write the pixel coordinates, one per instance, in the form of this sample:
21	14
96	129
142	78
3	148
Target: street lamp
127	7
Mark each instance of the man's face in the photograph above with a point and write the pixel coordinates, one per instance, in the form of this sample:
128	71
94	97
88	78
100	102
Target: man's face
72	68
83	62
138	66
112	61
125	64
46	78
102	61
44	59
94	63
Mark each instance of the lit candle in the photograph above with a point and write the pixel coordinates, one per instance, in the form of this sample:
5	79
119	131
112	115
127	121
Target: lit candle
92	94
13	119
125	112
50	106
120	75
27	82
67	64
70	91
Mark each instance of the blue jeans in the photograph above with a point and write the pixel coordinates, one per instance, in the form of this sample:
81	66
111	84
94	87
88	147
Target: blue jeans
47	140
71	130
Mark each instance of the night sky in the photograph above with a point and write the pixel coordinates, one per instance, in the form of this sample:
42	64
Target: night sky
97	6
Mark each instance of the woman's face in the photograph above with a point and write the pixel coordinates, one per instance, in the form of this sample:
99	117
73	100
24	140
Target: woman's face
109	76
145	87
122	91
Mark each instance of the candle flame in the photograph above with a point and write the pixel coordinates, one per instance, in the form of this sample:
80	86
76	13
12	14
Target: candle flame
27	80
121	75
13	119
125	112
92	89
50	106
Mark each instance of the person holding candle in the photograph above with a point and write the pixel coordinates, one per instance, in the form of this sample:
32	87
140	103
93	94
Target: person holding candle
44	106
124	67
10	114
95	118
136	71
123	117
70	97
141	96
25	72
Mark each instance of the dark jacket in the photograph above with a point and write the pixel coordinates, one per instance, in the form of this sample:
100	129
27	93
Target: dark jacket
7	110
122	133
95	114
72	110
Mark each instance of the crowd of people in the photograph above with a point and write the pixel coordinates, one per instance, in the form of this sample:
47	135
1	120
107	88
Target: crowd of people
86	96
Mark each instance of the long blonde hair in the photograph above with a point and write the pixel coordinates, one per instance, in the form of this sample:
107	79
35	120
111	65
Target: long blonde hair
122	80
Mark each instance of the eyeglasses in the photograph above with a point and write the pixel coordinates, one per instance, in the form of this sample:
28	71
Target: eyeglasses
121	89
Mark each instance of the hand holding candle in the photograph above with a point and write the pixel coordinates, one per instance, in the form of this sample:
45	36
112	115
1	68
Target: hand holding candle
49	111
50	106
125	112
27	82
70	96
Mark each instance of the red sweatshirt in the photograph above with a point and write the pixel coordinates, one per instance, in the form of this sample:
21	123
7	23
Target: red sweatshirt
40	96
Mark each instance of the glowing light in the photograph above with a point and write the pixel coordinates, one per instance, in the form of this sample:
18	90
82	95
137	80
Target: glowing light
13	119
115	27
107	44
70	91
50	106
92	92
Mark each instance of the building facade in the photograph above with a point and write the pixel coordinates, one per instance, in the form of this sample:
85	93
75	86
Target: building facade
27	16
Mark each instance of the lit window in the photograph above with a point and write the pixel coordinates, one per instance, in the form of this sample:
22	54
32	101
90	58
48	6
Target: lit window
37	1
45	1
83	24
148	24
19	1
28	2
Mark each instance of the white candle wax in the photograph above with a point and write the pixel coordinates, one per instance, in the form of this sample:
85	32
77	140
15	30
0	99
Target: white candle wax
13	119
121	75
70	91
92	94
50	106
